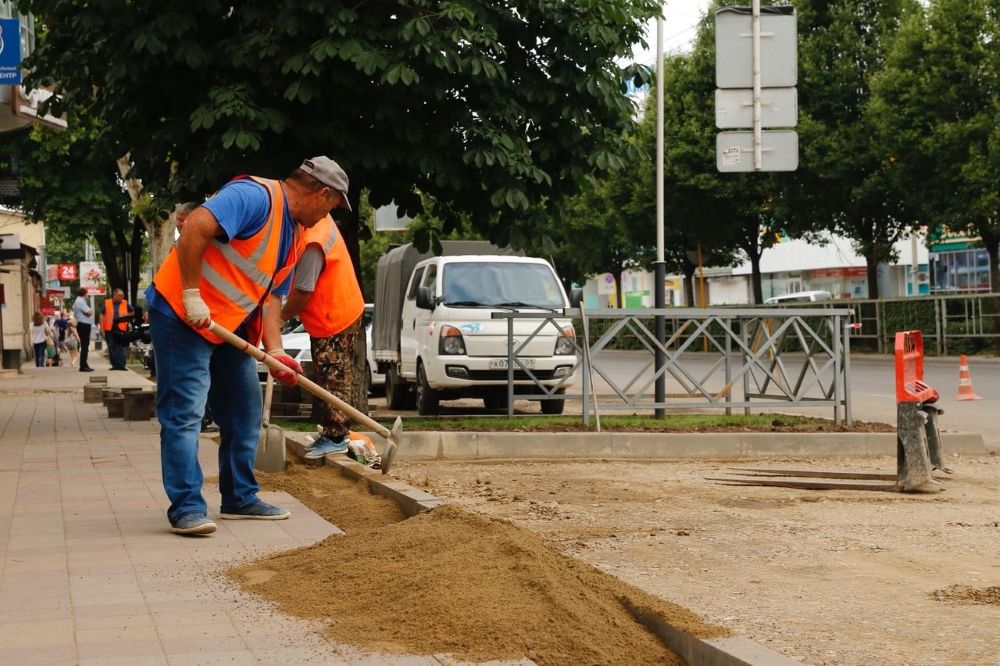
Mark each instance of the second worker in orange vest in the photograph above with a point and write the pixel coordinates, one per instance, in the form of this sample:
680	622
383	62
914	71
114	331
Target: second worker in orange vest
326	296
114	322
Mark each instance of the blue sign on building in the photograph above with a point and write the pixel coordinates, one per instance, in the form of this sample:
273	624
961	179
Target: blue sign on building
10	51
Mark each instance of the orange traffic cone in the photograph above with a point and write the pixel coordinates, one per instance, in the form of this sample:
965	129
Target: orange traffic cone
965	391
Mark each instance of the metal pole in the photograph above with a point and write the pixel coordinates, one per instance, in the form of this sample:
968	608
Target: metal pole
757	141
660	267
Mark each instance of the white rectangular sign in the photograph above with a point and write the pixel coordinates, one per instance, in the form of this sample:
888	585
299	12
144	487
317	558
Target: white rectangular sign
734	48
734	108
387	219
734	151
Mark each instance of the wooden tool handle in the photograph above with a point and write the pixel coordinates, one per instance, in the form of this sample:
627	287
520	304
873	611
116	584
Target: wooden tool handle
304	382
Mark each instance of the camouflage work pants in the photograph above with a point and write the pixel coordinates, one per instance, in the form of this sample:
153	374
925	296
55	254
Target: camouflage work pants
333	369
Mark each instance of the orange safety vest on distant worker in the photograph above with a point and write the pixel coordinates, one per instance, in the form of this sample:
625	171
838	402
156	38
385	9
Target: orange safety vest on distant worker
336	301
238	276
109	315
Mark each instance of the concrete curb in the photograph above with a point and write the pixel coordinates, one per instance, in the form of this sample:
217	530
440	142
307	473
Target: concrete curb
493	445
411	500
729	651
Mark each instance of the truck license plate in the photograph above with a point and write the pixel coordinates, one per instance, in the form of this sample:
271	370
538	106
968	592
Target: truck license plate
501	363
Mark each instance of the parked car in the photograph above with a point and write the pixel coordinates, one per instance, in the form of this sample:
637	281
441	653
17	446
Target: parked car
800	297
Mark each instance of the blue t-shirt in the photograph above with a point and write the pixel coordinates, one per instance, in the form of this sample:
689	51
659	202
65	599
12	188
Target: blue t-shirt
240	208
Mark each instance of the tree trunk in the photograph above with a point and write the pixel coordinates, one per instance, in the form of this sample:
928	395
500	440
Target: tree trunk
161	239
618	286
349	229
872	262
756	279
135	255
111	271
689	270
992	245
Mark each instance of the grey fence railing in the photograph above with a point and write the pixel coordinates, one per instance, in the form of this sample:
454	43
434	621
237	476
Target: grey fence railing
958	324
714	358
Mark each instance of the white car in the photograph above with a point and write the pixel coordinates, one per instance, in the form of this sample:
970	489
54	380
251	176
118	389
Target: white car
296	344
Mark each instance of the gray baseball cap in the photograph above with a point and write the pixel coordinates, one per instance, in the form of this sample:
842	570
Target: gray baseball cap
329	173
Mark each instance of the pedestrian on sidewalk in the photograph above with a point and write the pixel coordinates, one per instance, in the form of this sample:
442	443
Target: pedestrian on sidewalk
84	316
326	296
114	322
38	333
61	324
72	343
236	249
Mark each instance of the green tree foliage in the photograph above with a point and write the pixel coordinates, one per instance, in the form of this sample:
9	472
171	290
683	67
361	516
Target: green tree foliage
78	195
605	228
843	181
495	111
937	106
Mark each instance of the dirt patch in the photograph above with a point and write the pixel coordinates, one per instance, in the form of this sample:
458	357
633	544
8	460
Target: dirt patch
833	578
452	581
968	594
347	504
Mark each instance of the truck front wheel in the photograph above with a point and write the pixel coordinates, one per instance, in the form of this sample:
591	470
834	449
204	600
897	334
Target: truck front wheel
396	390
427	398
553	406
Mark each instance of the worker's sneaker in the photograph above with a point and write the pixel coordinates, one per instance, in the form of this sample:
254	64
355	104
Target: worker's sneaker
193	523
258	511
325	446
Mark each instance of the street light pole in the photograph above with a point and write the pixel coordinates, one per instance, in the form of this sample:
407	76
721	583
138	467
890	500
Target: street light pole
660	267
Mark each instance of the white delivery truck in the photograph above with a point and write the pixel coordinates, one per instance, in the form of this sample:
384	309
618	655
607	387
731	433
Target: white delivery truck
434	336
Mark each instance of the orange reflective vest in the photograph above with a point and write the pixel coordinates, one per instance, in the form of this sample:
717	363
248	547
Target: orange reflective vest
336	301
109	315
236	277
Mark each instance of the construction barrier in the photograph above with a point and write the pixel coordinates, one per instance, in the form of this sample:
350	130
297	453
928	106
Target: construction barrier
918	437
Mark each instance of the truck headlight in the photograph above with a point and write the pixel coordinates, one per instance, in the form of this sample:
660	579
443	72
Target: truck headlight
451	343
564	343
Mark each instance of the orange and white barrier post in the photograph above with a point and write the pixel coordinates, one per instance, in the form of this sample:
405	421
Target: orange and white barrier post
965	391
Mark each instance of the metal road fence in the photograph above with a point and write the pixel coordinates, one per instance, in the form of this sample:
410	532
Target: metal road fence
724	358
951	325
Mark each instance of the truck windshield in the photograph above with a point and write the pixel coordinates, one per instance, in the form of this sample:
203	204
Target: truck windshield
485	284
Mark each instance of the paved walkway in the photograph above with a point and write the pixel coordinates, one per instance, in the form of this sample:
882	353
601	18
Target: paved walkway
90	574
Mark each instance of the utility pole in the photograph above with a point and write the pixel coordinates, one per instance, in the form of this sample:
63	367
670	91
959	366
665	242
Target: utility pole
660	267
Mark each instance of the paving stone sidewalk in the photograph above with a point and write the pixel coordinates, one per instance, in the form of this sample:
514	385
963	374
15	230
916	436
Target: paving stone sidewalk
90	574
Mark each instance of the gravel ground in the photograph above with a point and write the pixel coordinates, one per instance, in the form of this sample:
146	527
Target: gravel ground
827	577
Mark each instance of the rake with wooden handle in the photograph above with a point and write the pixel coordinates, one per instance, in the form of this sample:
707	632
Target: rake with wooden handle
391	436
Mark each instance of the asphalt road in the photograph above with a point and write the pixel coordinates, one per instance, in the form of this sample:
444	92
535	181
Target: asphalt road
872	387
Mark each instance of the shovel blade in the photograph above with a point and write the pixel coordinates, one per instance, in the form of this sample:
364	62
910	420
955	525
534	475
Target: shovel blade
270	450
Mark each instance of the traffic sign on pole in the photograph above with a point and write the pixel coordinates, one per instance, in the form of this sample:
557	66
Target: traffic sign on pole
756	70
734	108
779	151
734	47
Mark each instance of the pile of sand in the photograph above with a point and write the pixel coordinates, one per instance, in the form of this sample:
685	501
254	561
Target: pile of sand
968	594
459	583
344	502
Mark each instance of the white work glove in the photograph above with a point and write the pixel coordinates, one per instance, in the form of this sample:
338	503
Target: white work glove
196	313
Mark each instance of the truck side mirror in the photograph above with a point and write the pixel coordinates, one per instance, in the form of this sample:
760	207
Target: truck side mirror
424	299
575	297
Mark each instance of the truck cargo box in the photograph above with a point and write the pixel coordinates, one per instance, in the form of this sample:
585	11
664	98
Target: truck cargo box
392	276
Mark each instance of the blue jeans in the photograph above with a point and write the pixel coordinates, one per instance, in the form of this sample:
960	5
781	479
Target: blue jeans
39	348
190	373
